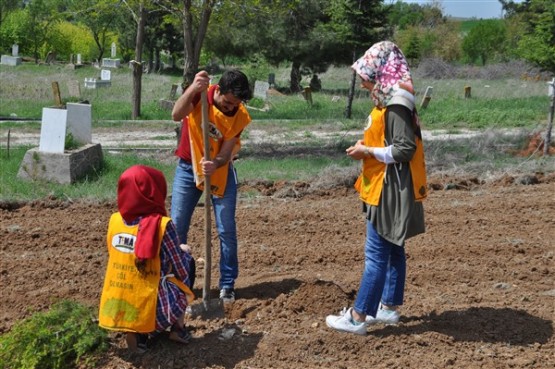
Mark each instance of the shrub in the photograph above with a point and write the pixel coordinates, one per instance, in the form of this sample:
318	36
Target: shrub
53	339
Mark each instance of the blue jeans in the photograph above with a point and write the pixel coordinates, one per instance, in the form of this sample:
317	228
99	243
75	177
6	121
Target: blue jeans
185	196
384	274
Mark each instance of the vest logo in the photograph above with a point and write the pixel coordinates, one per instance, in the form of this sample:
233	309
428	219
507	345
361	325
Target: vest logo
213	132
124	242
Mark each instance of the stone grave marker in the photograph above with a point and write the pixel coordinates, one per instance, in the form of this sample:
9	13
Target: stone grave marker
261	89
427	97
78	59
104	81
53	130
57	95
50	161
74	88
111	62
13	59
168	104
50	57
105	75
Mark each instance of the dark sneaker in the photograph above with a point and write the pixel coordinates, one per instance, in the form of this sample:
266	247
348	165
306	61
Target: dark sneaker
227	295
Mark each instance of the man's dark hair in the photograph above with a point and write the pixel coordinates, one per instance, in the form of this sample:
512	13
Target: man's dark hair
237	83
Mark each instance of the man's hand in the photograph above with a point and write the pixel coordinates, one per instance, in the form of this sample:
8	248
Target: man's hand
201	82
208	167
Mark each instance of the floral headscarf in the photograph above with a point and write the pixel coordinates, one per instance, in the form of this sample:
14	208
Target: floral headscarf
384	65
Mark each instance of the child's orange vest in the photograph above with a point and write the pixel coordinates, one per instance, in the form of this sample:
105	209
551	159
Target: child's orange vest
370	182
128	301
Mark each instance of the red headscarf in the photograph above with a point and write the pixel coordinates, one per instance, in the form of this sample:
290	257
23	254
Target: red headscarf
142	193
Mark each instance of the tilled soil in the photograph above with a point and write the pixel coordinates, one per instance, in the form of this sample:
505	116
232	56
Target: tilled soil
480	287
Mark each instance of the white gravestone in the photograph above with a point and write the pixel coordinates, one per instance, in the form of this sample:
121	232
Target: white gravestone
56	123
13	59
105	75
261	89
113	50
78	59
53	130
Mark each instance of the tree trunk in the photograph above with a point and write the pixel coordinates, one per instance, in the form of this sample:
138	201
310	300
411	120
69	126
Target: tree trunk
351	95
157	61
295	84
192	46
137	64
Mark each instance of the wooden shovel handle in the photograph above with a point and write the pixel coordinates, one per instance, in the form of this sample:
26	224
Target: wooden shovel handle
207	203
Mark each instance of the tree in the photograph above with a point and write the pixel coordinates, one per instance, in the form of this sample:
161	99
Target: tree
7	6
537	41
192	16
357	25
485	40
99	16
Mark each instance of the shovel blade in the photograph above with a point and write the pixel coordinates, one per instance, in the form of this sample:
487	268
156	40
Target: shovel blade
207	309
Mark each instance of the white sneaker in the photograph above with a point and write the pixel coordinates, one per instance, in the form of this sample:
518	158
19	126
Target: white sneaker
384	316
344	322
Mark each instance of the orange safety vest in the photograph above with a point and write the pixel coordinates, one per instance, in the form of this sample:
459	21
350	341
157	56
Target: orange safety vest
370	182
221	128
128	301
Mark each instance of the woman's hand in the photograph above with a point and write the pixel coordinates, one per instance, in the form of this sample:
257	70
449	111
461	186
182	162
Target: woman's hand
359	151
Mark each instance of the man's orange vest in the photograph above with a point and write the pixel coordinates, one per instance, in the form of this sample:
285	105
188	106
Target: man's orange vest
370	182
222	127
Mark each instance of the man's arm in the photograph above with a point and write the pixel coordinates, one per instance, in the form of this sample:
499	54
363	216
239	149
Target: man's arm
221	158
184	105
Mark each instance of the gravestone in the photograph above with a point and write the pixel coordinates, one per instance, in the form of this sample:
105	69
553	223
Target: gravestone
12	60
73	64
307	94
74	88
167	104
50	57
78	59
57	95
272	79
111	62
427	97
50	161
104	81
261	89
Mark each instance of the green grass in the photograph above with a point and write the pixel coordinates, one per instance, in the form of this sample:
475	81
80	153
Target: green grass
99	186
26	89
507	103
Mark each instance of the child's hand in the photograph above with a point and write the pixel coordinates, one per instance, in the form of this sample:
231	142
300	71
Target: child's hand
186	248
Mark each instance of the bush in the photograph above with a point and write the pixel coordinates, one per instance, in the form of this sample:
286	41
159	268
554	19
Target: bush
53	339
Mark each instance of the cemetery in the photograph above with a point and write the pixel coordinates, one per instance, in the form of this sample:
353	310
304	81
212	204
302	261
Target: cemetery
479	289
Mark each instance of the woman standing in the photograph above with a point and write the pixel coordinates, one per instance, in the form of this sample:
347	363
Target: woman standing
392	185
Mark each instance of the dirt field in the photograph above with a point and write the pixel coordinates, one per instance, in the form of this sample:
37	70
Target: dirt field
480	286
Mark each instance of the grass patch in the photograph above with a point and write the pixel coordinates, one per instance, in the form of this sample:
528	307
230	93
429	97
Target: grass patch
25	90
62	337
98	186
